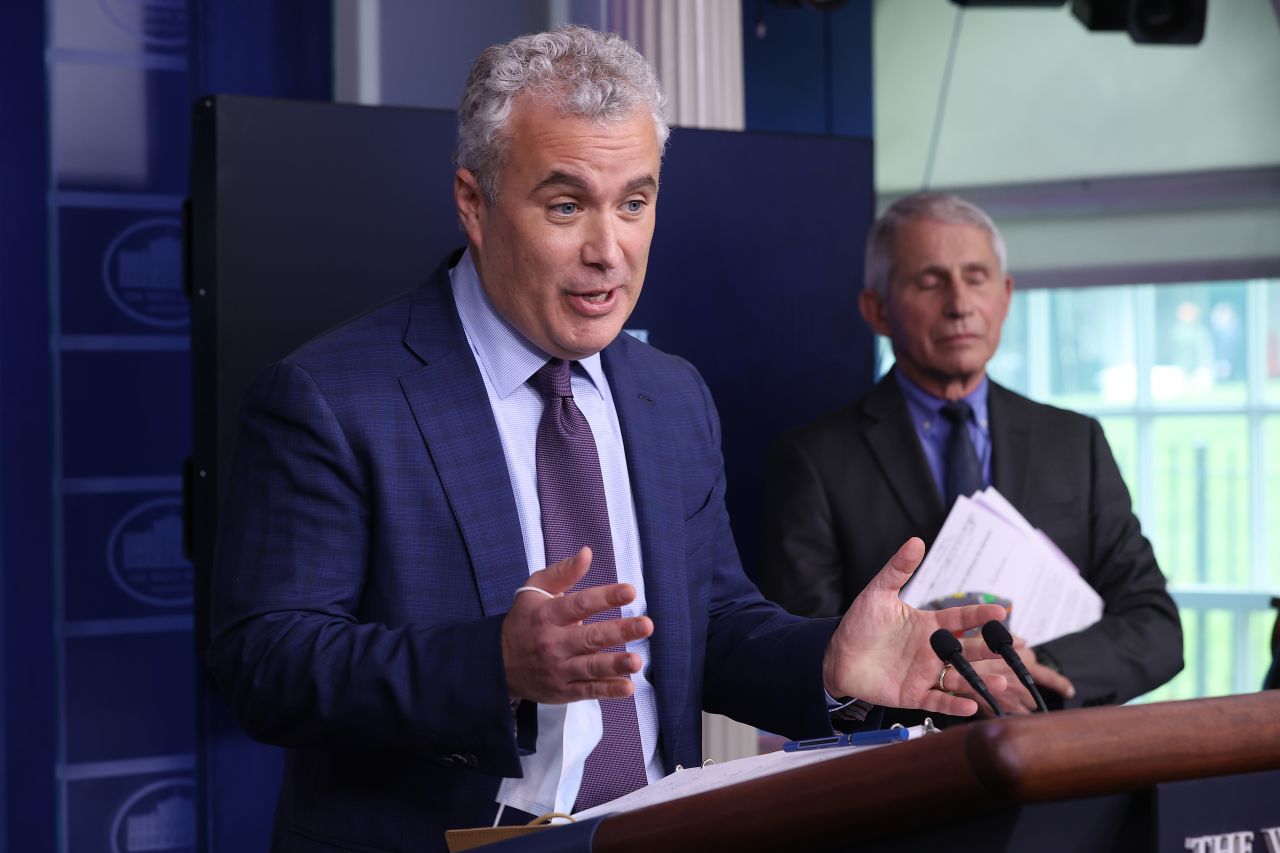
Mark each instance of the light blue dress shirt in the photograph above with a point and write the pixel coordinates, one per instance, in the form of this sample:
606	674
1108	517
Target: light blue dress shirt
507	360
934	430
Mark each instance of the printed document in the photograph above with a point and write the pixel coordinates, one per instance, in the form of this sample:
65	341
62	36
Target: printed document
695	780
986	546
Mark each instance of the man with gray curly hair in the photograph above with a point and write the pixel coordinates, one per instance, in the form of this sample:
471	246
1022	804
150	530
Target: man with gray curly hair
475	563
576	71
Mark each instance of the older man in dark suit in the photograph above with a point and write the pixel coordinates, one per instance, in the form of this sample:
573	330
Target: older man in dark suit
844	492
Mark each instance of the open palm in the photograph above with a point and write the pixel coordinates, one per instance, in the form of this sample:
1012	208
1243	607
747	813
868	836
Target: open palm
880	653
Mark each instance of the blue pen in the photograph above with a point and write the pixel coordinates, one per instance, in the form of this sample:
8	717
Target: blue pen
873	738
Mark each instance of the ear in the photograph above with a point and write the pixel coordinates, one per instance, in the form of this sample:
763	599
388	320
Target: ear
471	206
874	312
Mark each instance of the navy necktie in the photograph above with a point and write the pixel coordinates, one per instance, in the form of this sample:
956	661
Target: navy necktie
963	474
574	513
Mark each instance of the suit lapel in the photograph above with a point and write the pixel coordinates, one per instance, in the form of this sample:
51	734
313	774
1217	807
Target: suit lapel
449	403
655	488
896	448
1010	445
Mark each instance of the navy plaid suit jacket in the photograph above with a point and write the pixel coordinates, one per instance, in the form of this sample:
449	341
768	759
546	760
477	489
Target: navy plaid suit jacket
369	548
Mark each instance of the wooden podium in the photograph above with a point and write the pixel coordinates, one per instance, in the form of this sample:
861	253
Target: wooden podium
970	787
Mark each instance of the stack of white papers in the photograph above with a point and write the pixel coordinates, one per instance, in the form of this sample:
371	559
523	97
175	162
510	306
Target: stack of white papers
686	782
986	546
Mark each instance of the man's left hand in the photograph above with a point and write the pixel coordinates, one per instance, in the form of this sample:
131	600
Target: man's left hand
880	653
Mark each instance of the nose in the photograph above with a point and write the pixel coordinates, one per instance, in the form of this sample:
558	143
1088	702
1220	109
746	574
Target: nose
959	299
600	246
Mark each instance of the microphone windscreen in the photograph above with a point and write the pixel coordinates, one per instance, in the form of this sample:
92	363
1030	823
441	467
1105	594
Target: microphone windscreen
944	644
996	635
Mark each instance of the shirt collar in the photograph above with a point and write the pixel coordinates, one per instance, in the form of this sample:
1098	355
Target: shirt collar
506	357
924	407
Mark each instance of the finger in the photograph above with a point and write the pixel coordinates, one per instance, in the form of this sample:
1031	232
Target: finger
586	603
1016	700
898	570
600	688
957	620
1043	676
976	649
560	577
608	633
594	666
954	682
945	703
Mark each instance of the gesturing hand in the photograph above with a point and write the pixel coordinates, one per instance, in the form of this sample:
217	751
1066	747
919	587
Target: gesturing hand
1015	698
880	653
551	657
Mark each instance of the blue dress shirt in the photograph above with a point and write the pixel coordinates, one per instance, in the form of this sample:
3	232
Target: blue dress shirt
507	360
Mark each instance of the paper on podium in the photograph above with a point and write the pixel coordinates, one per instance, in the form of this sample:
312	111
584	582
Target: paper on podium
696	780
986	545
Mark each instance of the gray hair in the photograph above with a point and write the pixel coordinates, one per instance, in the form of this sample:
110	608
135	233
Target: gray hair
942	207
578	71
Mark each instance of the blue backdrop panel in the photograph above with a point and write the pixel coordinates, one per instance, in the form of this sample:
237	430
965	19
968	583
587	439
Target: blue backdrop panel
754	279
123	556
283	48
119	127
121	270
128	695
133	812
156	28
125	413
96	660
27	654
807	70
304	213
119	124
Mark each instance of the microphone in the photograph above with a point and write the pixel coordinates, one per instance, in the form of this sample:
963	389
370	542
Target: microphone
999	641
949	651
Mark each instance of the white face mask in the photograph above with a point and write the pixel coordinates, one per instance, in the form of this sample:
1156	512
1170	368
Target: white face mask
553	774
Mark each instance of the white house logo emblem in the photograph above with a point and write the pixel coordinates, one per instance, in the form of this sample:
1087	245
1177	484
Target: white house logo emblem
142	272
160	816
144	554
162	23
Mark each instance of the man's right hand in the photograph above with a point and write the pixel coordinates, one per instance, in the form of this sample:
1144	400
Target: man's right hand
551	657
1014	698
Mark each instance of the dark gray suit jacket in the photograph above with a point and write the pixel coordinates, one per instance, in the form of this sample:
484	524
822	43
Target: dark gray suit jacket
844	492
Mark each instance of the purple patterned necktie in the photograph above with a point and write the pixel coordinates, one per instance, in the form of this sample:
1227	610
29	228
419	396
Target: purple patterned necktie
574	513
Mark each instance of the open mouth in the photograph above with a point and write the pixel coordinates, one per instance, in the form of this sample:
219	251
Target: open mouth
595	301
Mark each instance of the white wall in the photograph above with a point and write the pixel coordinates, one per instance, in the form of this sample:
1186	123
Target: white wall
1046	124
1034	96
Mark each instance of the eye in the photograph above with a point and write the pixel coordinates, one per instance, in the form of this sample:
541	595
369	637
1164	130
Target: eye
634	205
565	208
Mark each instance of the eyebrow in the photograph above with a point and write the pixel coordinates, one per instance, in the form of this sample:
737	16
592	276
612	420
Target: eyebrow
971	266
558	178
